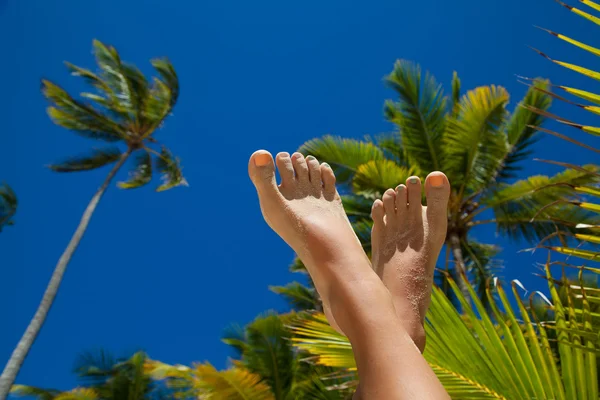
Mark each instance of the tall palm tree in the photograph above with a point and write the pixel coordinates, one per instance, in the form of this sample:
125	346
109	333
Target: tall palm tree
478	144
266	366
124	108
104	377
8	205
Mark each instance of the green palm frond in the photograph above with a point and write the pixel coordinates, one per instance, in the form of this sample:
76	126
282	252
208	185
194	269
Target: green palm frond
483	354
141	173
376	176
535	207
269	353
419	115
520	129
203	381
298	296
475	145
79	394
455	93
170	169
8	205
344	155
32	391
97	159
79	117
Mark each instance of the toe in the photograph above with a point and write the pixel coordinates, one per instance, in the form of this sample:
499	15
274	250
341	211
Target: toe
285	167
401	200
413	185
314	172
389	203
262	170
437	191
300	167
377	212
328	178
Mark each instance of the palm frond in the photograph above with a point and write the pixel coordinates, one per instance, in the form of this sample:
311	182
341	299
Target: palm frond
582	13
8	205
78	394
204	381
419	115
141	173
344	155
484	354
170	169
32	391
524	208
97	159
79	117
520	128
474	142
376	176
298	296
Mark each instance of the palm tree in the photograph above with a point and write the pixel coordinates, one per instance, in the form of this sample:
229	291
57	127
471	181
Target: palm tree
8	205
104	377
478	144
267	366
124	108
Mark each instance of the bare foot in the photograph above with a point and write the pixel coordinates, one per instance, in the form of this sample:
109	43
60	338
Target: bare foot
407	238
306	211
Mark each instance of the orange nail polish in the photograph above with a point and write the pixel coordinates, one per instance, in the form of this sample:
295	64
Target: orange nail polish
260	160
436	180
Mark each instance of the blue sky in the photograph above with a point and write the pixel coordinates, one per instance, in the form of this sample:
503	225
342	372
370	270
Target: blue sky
167	272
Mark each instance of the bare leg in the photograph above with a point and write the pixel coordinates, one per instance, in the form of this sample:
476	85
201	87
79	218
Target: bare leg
407	239
306	211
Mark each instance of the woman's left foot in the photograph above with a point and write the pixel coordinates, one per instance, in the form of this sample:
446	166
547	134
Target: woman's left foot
407	238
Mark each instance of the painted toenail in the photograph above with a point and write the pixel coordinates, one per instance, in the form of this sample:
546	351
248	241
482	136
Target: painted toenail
414	180
436	180
261	160
326	165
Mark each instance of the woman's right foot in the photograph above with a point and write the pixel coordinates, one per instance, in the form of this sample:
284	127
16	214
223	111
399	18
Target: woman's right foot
306	211
407	238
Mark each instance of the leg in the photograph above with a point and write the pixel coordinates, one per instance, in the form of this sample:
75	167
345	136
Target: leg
306	211
407	239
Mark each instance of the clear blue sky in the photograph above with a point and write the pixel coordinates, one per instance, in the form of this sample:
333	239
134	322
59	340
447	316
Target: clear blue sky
167	272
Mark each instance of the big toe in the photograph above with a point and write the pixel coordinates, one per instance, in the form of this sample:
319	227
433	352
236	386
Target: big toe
262	170
437	191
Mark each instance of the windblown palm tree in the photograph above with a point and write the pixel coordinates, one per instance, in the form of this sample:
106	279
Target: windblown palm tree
478	144
124	108
104	377
267	367
8	205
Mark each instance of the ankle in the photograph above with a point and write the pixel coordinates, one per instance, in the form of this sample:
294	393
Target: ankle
360	306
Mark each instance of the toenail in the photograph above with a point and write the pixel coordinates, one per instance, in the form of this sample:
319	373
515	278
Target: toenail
284	154
296	155
260	160
326	165
436	180
310	158
414	180
400	187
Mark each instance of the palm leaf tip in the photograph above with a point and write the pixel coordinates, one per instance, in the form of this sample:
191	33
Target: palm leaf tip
169	167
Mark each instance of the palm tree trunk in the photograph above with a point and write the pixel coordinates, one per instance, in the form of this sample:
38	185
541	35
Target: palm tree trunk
18	356
454	242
